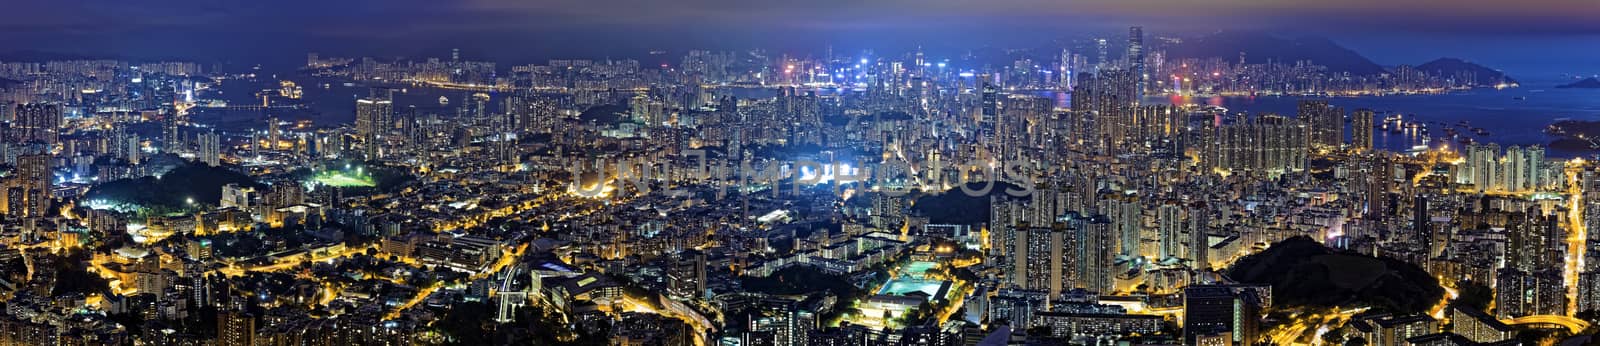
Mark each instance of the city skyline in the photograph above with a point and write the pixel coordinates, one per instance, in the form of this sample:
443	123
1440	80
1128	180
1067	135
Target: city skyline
1487	31
825	173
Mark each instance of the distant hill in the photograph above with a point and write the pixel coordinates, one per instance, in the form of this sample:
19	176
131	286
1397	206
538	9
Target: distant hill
956	207
1302	272
1259	48
1484	76
1586	83
173	190
604	114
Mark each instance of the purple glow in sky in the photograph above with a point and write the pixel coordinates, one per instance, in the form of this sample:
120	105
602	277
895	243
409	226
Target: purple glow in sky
397	17
546	28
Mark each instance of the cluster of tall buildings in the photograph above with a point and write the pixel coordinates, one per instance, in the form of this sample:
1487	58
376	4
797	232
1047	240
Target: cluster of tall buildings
1076	252
1267	143
31	134
374	118
35	122
1489	169
581	200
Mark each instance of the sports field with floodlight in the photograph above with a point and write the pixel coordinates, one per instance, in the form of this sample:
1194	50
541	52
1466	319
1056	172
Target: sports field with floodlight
343	179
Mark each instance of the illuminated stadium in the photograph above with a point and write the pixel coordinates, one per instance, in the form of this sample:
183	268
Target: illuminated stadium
904	292
912	280
344	178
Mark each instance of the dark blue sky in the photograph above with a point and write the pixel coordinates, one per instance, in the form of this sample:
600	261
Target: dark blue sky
1523	37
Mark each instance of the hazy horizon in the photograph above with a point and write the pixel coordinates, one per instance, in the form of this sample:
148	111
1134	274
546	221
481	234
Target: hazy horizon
1541	37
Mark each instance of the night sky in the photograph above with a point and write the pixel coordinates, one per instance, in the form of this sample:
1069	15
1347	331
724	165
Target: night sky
1538	36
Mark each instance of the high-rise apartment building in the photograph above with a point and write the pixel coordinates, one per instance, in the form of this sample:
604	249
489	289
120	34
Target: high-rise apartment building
1326	123
373	118
1136	61
1361	127
210	148
36	122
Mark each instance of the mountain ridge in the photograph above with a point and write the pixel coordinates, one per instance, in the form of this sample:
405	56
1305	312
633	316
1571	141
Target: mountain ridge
1259	48
1482	75
1586	83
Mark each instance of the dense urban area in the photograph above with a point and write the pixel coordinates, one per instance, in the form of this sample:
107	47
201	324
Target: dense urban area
751	197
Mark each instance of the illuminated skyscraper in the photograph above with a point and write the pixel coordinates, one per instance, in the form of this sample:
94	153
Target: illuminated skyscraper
1271	144
123	144
209	148
235	329
1284	143
1533	240
688	274
28	192
8	111
1103	103
1534	176
1325	122
1064	70
1169	227
1155	128
1104	49
647	110
1483	165
1519	293
1039	261
1516	169
779	322
1124	212
1020	111
274	133
990	109
1361	129
36	123
1422	232
523	112
1093	252
1199	230
1377	178
1136	61
171	142
1588	290
1589	276
372	119
1229	310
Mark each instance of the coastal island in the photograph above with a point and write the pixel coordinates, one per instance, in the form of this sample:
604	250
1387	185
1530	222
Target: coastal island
1574	134
1586	83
